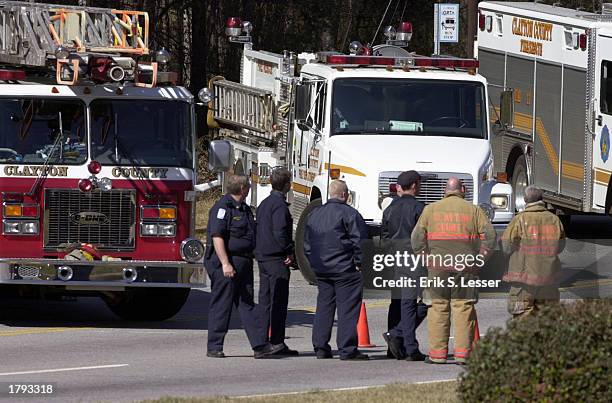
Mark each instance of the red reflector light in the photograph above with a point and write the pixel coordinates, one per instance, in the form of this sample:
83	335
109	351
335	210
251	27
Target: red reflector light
150	213
582	41
29	211
233	22
481	21
85	185
405	27
94	167
361	60
446	63
12	75
393	187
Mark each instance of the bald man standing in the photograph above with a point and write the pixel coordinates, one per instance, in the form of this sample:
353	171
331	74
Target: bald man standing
332	244
456	237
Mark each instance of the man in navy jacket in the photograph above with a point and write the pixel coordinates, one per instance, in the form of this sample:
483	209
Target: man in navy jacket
332	244
274	253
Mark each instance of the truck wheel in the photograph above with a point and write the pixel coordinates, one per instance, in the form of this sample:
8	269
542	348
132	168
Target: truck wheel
147	304
519	183
300	257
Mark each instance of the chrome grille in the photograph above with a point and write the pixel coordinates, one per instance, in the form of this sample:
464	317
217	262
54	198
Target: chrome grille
115	230
432	185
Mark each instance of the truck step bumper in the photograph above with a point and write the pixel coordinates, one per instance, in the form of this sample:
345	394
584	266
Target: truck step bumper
101	274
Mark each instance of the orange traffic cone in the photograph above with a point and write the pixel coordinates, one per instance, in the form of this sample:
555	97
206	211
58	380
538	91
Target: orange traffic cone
476	333
363	331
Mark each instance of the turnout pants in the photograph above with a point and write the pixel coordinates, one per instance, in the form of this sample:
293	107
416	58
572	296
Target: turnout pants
344	292
524	300
274	297
227	293
447	301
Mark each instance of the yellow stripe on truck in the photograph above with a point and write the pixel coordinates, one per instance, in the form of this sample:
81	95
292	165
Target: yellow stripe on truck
344	169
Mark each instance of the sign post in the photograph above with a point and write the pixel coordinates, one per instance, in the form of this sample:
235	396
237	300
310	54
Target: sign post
446	24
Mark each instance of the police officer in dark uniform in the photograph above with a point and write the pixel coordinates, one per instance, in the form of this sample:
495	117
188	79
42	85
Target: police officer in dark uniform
274	253
229	264
398	222
332	244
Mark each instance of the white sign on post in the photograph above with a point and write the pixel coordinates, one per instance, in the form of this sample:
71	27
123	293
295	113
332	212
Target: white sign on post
446	24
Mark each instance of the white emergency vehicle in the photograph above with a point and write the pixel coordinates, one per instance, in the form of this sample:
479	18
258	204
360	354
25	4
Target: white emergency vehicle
551	67
362	117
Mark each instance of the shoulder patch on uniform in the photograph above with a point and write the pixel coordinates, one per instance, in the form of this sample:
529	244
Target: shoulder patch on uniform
221	213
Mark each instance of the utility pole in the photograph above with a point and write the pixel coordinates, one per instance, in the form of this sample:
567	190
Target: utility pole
472	9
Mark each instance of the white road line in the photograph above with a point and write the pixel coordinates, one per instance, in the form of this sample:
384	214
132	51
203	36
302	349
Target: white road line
336	389
46	371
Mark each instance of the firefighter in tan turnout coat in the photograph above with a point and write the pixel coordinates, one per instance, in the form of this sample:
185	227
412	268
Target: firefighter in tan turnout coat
533	240
456	238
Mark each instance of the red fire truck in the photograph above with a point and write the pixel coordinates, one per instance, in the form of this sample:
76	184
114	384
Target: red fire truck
97	161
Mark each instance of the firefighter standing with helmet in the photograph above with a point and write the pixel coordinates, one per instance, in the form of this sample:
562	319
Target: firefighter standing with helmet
453	234
533	240
229	264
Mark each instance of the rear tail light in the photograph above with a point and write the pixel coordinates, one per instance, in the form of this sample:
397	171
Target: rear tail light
481	21
393	188
582	41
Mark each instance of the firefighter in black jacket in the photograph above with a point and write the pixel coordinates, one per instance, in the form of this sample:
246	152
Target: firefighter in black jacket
274	253
405	314
229	263
332	244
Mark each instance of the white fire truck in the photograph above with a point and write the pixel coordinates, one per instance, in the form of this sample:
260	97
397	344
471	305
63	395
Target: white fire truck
551	67
362	117
97	161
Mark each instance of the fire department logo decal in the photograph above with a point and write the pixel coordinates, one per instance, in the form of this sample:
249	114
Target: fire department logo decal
89	218
604	143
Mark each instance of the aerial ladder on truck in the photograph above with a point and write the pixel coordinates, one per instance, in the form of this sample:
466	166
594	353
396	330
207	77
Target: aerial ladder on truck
78	43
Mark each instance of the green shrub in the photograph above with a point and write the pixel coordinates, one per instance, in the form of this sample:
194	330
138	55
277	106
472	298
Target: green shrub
562	354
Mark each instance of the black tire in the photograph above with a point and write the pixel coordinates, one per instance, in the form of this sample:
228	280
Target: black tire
520	181
300	257
566	221
147	304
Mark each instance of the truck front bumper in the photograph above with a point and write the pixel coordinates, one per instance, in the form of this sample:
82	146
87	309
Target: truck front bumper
101	275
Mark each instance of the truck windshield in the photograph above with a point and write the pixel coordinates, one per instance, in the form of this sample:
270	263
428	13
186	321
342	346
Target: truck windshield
142	133
409	106
29	131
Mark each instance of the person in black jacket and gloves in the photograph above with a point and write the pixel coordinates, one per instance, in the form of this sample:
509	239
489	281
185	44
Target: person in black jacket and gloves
332	244
405	313
274	253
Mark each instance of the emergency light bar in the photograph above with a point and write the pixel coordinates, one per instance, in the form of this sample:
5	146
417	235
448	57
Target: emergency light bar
419	61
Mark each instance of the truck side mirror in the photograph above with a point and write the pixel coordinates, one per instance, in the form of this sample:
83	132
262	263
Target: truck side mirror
506	107
219	155
302	103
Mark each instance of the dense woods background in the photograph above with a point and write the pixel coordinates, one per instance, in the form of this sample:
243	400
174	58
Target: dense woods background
193	30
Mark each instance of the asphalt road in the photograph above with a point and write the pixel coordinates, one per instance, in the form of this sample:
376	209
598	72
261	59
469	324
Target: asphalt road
90	355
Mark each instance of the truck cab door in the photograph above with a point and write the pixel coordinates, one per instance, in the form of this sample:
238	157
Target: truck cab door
309	127
601	120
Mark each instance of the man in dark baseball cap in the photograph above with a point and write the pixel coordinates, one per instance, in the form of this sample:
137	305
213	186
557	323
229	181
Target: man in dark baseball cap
405	313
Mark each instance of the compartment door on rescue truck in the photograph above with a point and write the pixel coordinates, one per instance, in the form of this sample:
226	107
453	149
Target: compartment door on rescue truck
602	163
307	141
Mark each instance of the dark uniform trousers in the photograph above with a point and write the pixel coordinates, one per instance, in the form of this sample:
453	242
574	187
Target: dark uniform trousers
228	292
405	315
274	297
344	292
